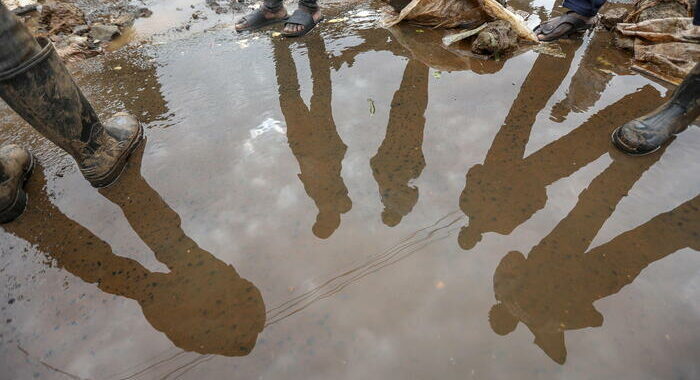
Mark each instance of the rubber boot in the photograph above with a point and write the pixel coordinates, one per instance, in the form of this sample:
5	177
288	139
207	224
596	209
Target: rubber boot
650	132
36	84
16	165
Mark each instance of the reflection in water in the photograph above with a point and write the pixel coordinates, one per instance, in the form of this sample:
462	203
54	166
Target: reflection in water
312	134
201	305
596	69
553	289
509	188
400	157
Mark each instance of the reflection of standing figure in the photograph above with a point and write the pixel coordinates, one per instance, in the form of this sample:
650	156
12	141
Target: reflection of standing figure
201	305
554	288
312	134
400	157
508	188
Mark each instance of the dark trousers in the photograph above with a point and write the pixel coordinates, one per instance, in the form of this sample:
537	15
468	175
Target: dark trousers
587	8
275	5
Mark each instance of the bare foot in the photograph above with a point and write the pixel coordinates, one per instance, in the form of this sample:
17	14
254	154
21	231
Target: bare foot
296	28
245	23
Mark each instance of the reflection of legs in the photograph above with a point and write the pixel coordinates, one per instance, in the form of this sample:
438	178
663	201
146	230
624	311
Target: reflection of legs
312	134
588	82
400	157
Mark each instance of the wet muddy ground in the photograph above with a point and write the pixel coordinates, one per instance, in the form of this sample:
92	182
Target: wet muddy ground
356	205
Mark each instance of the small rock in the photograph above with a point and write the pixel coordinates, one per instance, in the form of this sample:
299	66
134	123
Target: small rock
498	37
104	32
81	29
144	12
125	20
612	17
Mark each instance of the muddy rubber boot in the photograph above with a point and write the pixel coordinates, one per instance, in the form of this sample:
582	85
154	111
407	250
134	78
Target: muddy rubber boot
36	84
650	132
16	165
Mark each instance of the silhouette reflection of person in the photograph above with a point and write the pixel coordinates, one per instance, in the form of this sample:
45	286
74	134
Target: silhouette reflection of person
400	157
202	305
312	134
554	288
508	188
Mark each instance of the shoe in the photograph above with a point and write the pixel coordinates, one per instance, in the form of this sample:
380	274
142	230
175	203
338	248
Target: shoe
16	165
650	132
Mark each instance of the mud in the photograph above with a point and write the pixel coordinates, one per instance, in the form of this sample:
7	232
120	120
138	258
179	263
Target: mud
353	204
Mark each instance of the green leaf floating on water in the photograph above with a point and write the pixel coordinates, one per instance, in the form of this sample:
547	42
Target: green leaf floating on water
437	74
372	108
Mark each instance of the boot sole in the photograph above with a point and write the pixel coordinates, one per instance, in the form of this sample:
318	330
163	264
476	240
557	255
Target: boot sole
116	171
20	203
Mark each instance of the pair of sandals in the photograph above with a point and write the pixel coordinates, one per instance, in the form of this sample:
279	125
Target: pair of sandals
258	19
562	27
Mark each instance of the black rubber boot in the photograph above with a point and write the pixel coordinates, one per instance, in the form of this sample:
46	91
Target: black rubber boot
16	165
36	84
650	132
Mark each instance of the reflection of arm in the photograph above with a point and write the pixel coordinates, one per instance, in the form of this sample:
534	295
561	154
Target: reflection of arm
544	79
619	261
574	234
589	141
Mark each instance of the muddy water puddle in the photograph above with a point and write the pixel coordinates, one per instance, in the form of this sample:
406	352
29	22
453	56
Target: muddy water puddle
357	203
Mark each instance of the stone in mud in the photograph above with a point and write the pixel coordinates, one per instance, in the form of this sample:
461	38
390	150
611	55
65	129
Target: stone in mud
81	29
497	38
612	17
104	32
61	18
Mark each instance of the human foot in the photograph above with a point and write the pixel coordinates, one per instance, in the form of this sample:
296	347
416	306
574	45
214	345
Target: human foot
260	18
302	21
563	26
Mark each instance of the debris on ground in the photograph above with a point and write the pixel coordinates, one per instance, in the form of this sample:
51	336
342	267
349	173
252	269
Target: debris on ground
660	33
76	33
498	30
496	39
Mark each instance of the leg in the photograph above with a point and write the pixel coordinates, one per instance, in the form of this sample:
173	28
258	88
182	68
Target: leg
648	133
36	84
272	12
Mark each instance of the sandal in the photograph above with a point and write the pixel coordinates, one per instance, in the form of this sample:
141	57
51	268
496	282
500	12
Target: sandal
303	18
562	27
256	20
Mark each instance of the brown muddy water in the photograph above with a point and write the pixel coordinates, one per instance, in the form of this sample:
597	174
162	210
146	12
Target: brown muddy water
357	204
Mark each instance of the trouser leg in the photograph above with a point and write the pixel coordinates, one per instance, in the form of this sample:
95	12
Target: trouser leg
273	5
587	8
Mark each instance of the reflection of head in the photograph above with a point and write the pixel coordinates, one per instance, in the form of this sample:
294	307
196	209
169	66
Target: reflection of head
469	236
326	224
501	320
